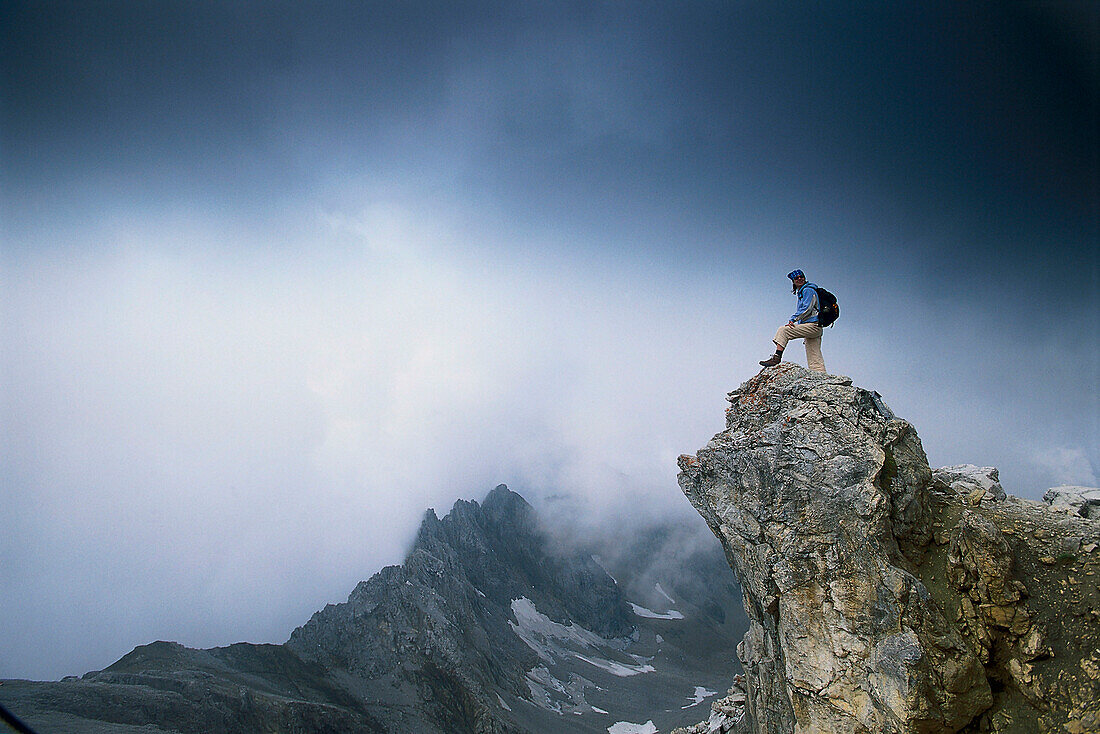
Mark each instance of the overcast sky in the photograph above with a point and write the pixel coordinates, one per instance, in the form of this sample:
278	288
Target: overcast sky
278	276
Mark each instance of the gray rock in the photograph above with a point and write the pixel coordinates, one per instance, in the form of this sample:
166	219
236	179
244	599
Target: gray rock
442	620
1082	501
975	483
820	496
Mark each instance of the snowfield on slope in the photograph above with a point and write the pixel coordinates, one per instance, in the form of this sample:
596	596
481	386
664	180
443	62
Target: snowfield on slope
650	614
625	727
556	644
547	637
660	590
619	669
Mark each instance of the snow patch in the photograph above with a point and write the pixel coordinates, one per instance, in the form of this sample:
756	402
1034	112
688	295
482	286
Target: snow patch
619	669
554	642
540	632
598	711
650	614
599	562
503	705
701	694
540	683
664	593
554	694
625	727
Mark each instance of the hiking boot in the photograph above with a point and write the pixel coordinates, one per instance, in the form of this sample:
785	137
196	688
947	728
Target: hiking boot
773	360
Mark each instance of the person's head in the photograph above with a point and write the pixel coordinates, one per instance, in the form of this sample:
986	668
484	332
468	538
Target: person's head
798	279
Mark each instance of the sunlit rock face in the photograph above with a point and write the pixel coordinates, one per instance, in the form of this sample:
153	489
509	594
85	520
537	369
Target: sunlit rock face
820	496
882	596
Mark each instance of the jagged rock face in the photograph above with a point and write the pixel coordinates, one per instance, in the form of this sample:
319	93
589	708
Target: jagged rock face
490	626
820	497
1020	579
443	619
980	568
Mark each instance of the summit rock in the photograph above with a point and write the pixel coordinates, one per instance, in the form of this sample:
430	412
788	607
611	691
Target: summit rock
882	597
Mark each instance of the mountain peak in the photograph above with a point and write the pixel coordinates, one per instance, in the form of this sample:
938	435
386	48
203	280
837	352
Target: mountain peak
504	505
501	493
430	527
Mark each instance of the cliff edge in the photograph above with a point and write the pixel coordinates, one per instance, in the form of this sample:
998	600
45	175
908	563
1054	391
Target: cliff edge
881	597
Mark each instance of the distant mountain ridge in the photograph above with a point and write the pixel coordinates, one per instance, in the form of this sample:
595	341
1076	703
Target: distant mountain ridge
442	619
490	626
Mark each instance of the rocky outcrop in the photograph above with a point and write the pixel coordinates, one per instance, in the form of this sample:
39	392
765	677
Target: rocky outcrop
1083	501
727	715
975	483
883	597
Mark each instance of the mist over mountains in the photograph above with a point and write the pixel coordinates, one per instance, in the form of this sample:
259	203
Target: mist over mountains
495	622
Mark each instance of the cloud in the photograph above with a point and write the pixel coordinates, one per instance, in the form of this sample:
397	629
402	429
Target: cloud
210	439
1065	465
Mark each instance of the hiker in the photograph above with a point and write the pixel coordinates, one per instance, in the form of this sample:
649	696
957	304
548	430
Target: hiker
802	325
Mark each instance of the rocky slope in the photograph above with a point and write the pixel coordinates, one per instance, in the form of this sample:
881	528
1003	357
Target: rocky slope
490	625
882	598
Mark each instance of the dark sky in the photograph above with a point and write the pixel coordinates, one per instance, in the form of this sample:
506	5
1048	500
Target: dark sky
980	115
276	271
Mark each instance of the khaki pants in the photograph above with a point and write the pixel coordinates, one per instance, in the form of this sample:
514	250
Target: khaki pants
812	334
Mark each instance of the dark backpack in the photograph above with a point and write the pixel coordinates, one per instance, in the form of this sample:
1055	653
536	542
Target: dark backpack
827	309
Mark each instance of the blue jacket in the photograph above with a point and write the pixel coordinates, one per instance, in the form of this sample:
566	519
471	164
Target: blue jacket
807	305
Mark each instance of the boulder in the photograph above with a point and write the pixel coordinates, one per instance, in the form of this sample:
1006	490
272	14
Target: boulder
975	483
1082	501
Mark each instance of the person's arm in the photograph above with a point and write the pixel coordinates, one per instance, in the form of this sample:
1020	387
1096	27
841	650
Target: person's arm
807	299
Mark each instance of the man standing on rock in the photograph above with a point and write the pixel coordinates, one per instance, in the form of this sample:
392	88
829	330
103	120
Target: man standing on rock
802	325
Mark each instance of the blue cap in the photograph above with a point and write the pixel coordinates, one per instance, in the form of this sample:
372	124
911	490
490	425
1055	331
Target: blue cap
796	274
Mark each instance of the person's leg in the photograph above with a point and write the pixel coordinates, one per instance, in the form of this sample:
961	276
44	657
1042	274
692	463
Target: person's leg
782	336
814	360
809	332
